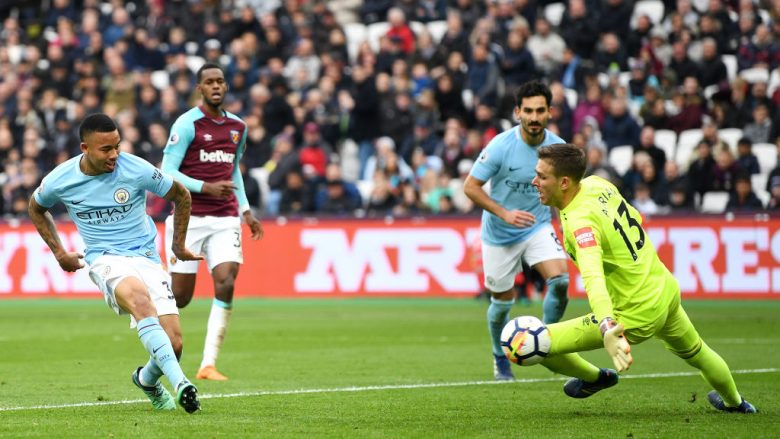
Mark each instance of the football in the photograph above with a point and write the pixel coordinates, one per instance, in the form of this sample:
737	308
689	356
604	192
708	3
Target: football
525	340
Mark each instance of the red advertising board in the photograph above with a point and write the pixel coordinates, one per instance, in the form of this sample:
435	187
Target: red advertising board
711	258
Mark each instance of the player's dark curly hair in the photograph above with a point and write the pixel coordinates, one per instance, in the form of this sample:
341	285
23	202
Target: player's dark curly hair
566	160
96	123
531	89
207	66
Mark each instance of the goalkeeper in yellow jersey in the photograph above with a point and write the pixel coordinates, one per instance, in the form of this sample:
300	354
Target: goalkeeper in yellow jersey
631	293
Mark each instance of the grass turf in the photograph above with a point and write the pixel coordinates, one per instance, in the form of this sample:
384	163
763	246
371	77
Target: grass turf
366	368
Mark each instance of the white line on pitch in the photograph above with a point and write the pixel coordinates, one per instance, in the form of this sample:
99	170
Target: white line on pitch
373	388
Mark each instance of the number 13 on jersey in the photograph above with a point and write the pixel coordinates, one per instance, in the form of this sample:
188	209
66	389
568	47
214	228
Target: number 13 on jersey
623	223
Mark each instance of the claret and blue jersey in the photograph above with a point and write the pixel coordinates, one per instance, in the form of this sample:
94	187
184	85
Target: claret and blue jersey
109	209
509	163
204	149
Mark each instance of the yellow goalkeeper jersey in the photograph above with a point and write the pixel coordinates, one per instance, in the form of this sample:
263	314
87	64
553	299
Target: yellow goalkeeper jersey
623	276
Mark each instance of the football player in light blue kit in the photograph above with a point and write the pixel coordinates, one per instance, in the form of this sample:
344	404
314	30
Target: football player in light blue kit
515	225
105	194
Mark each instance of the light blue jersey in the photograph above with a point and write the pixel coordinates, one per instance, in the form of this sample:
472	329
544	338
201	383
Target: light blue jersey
109	209
510	165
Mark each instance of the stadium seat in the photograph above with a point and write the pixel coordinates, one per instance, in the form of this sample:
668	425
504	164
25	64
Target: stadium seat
160	79
666	140
375	32
654	9
730	136
755	74
731	65
417	27
365	187
686	143
620	158
766	153
759	182
261	175
554	13
506	124
711	90
437	29
774	82
195	62
571	97
714	202
356	33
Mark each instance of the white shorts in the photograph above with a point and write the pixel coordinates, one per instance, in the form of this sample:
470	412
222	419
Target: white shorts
107	271
501	264
217	237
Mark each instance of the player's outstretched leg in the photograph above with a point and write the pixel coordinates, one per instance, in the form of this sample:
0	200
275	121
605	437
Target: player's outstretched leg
159	396
744	407
187	396
215	334
556	299
579	388
157	343
497	317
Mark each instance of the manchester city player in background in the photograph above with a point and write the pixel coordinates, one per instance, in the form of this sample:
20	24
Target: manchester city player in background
515	225
105	194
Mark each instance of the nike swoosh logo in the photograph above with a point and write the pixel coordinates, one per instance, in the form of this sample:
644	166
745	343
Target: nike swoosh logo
78	202
511	169
154	351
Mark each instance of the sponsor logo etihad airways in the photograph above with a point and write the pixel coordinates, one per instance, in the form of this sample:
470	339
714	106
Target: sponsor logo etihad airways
218	156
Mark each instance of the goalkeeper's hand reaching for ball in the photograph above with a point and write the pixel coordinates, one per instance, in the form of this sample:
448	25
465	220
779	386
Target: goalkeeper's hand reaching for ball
615	343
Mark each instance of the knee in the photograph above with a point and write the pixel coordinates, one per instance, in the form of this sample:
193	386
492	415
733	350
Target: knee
224	286
182	299
139	304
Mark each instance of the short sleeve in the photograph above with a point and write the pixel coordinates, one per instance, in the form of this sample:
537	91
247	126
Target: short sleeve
488	163
46	195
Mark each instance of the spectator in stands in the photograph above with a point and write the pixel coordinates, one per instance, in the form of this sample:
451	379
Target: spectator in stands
336	200
517	65
761	51
579	29
725	171
774	194
399	29
483	74
620	128
701	170
739	111
643	202
745	157
597	164
647	144
712	70
680	199
610	55
546	47
590	106
689	102
297	195
760	129
682	66
382	199
314	151
422	137
743	198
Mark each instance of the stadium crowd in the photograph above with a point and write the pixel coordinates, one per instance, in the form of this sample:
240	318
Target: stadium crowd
379	107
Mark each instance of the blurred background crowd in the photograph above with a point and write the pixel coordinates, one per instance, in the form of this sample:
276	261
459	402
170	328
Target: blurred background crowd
379	107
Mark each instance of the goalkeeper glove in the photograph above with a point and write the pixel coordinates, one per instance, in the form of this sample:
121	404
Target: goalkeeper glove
616	345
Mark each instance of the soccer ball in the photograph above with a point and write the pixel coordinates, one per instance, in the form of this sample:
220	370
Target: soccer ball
525	340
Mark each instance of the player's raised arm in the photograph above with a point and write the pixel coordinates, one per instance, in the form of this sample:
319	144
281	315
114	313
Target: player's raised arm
182	201
44	223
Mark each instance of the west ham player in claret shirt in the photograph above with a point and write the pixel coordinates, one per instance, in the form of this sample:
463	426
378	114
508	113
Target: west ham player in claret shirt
203	153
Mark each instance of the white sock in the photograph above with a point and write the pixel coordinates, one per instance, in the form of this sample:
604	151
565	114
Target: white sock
215	331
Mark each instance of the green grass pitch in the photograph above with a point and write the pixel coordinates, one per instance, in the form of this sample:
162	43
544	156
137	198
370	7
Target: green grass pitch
367	368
